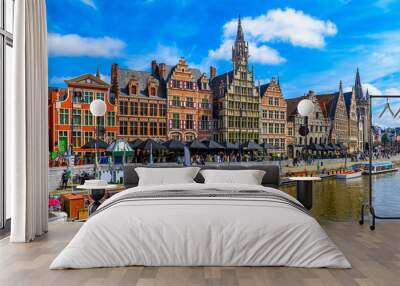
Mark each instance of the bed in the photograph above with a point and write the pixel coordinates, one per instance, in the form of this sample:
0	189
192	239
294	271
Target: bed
197	224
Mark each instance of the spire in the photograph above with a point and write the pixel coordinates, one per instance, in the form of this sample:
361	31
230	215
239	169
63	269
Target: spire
340	87
239	34
358	86
98	72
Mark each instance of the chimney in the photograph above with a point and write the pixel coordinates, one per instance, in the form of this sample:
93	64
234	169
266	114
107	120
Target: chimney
114	78
163	70
154	67
213	72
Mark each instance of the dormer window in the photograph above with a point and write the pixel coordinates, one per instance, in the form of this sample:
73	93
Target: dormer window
133	87
153	91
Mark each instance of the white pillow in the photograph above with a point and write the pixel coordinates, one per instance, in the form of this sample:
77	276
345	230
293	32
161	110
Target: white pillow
166	176
248	177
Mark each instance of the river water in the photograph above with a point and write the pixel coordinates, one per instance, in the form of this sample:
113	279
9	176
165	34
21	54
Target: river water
341	200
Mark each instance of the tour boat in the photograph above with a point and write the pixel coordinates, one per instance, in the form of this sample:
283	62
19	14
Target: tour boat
350	174
380	167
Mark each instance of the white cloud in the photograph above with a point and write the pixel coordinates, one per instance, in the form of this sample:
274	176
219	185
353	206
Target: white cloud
392	91
277	25
73	45
90	3
163	54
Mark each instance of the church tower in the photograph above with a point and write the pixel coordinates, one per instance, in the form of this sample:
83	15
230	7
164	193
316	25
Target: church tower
240	50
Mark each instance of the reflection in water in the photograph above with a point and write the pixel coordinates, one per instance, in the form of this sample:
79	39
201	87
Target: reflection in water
341	200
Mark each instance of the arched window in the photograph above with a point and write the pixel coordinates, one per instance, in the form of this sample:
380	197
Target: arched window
134	89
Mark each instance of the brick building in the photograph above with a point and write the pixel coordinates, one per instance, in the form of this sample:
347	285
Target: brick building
71	123
189	103
273	129
142	102
167	102
236	99
334	108
317	124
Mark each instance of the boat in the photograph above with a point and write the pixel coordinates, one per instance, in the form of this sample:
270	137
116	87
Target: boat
350	174
380	167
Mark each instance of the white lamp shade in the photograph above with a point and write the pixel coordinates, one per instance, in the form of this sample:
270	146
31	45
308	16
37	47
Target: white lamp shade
98	107
305	107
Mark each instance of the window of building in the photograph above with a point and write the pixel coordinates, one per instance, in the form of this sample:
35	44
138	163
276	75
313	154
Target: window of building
110	136
163	129
204	122
100	95
270	101
88	120
123	128
143	128
143	109
153	109
153	91
134	108
153	128
282	115
87	96
111	118
176	101
175	121
133	89
76	117
123	107
204	103
264	114
63	116
77	96
133	128
270	128
87	135
276	101
189	102
163	109
76	139
271	114
282	128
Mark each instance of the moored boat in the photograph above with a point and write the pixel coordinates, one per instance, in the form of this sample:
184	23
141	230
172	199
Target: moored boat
380	167
350	174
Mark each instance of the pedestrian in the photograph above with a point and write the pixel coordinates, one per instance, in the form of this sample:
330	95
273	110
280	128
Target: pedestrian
64	179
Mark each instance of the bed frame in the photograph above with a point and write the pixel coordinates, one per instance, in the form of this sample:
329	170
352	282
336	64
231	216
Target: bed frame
270	179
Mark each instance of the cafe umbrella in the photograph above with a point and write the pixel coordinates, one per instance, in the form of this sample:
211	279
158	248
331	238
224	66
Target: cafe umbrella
95	143
212	145
174	145
151	145
135	143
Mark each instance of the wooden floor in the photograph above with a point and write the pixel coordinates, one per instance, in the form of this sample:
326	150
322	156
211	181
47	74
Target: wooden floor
375	257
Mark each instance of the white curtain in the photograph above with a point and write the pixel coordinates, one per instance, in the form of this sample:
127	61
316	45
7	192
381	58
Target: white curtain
27	125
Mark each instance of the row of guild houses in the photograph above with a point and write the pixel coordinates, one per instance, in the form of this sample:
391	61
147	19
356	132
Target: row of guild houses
180	102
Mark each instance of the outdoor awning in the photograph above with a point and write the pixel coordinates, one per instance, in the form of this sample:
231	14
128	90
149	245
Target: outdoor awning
268	146
196	145
315	147
119	148
232	146
95	143
341	146
135	143
251	145
212	145
326	147
174	145
150	144
334	146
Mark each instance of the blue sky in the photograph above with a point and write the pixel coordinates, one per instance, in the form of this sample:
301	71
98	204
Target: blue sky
308	44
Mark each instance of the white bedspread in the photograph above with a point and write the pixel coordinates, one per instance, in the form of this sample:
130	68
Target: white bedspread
200	231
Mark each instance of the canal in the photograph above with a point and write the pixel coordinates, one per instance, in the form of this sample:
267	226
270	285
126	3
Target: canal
341	200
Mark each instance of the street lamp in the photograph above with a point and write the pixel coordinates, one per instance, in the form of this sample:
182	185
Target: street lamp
305	108
98	108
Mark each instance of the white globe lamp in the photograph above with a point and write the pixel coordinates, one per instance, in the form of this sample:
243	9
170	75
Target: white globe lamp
98	107
305	107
